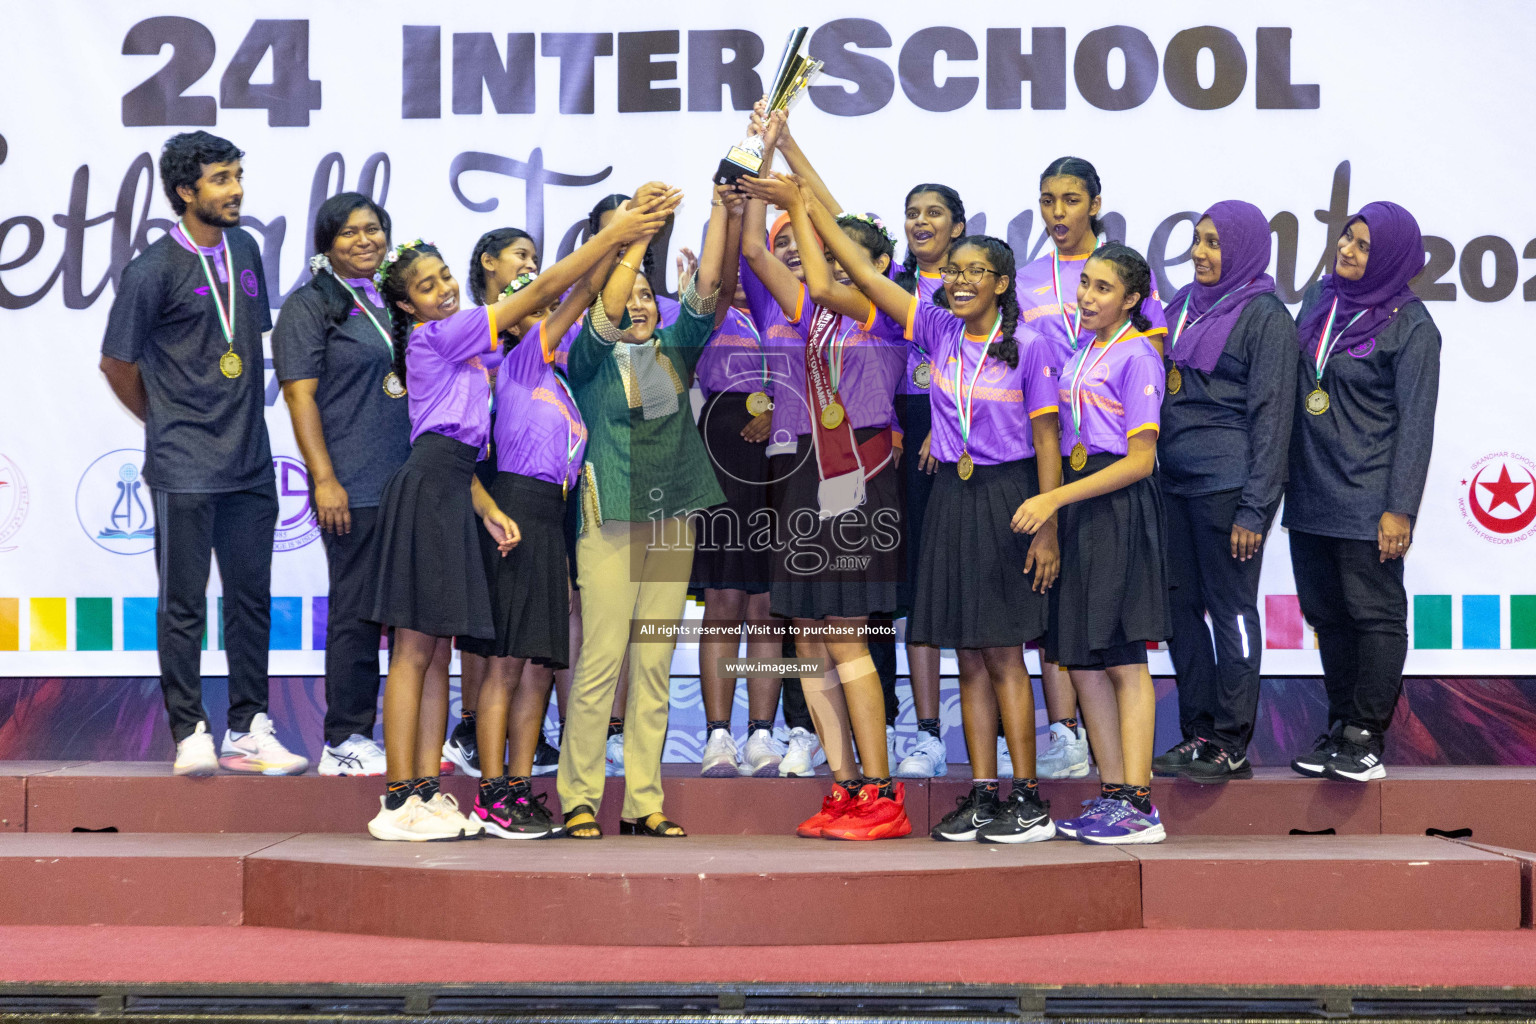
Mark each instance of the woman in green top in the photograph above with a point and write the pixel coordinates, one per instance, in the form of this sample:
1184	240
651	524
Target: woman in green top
646	471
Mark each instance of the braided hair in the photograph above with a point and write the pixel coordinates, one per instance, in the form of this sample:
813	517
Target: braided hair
329	220
494	242
908	276
867	230
1000	255
595	224
1133	272
1082	170
393	280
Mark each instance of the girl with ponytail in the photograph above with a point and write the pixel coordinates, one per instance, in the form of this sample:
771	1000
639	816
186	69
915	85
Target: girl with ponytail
1070	204
1114	584
981	588
432	581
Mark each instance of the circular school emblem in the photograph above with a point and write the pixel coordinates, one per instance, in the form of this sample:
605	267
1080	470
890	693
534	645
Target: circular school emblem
113	504
1499	503
15	498
296	522
1363	349
248	282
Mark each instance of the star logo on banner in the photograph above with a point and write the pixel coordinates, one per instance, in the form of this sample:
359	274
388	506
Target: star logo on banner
1499	501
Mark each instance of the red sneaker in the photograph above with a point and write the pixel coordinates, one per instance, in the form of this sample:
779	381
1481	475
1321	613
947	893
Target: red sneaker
834	806
873	816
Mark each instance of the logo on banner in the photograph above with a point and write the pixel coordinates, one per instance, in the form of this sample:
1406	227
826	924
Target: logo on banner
14	500
113	503
1499	503
296	522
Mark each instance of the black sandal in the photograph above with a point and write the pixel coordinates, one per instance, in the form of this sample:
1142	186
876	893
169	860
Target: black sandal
660	831
585	829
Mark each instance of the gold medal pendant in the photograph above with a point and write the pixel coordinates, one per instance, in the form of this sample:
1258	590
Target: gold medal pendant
1317	402
392	386
922	375
832	416
758	403
1175	380
966	466
1079	456
565	489
230	365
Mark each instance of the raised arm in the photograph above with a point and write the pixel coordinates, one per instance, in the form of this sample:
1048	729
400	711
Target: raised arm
730	264
635	220
891	298
712	260
799	164
575	303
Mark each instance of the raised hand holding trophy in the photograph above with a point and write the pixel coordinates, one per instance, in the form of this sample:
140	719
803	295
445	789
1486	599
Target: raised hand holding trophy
796	72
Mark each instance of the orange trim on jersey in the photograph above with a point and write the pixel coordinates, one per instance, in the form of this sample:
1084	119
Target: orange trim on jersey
911	319
1045	409
932	277
799	307
868	323
490	315
1144	426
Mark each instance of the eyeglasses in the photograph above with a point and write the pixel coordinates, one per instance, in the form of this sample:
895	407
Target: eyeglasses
970	275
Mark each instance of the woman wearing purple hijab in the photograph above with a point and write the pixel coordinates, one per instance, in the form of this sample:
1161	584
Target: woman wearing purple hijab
1364	426
1231	365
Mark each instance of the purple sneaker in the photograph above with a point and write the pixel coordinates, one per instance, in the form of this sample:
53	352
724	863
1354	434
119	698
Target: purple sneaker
1124	825
1092	810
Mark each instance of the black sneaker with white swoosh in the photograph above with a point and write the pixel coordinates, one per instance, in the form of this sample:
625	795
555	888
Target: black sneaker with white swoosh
973	811
1025	818
1216	765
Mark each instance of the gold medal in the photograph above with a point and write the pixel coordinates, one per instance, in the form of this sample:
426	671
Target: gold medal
392	386
565	489
922	375
832	416
1079	456
1175	380
966	466
758	403
230	365
1317	402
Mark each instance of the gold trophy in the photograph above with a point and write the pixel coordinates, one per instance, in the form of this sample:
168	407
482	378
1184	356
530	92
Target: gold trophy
796	72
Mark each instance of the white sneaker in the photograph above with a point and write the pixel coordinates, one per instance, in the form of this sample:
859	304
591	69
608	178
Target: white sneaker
355	755
445	808
1004	760
928	759
802	754
194	755
259	751
719	760
1067	756
411	822
762	755
613	763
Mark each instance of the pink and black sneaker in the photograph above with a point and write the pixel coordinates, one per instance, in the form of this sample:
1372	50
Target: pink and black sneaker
509	810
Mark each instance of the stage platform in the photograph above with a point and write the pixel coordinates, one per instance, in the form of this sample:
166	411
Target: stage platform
291	853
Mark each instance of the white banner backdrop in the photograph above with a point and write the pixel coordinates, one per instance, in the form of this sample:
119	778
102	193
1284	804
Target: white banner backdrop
467	119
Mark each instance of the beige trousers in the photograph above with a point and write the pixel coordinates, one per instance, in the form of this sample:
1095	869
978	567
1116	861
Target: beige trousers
626	571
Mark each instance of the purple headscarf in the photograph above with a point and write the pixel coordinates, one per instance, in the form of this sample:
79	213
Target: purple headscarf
1244	235
1397	256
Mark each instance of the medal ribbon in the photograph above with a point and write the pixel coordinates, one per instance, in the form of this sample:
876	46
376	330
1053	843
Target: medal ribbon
1326	344
226	319
762	353
965	400
1075	392
572	440
1061	303
1178	328
389	339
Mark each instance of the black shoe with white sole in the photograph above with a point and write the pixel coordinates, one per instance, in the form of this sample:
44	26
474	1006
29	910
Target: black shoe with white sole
1216	765
973	811
1315	764
1172	761
1358	758
1025	818
546	758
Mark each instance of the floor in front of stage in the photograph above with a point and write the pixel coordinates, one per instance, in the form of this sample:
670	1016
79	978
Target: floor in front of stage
1422	882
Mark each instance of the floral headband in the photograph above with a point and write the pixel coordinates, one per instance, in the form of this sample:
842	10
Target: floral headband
394	255
523	281
874	222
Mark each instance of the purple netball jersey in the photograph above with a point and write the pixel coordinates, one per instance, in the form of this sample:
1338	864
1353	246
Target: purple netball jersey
1121	394
539	432
1040	310
915	381
448	366
733	358
1004	398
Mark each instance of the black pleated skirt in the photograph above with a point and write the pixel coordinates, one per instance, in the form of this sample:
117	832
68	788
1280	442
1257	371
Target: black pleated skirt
1114	574
971	588
847	566
915	414
530	604
723	558
431	573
